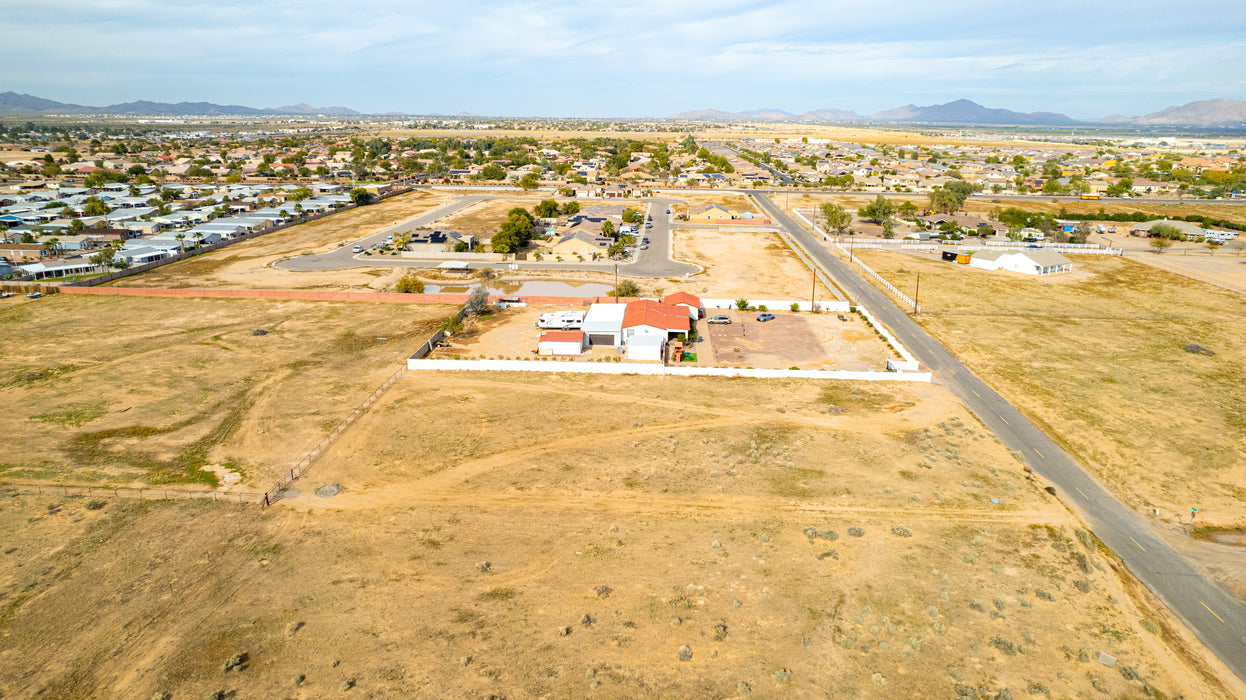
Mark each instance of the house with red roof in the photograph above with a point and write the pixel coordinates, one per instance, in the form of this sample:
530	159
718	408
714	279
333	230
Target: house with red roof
688	301
649	317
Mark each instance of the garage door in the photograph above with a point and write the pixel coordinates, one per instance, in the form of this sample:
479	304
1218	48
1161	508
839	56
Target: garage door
601	339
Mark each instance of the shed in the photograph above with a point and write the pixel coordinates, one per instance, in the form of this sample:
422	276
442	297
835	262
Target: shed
604	324
562	343
646	348
688	301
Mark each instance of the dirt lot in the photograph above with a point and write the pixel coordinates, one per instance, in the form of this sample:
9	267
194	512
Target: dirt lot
523	536
510	334
1099	362
1227	271
695	202
247	265
131	390
483	219
802	340
741	264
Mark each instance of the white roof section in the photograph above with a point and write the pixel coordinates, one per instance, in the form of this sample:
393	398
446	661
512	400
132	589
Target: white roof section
604	318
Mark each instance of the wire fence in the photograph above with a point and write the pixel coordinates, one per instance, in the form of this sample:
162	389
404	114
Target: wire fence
881	280
305	464
123	492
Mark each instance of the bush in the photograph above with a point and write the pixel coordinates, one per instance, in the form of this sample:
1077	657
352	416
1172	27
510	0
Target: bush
856	532
741	304
761	307
794	307
901	531
451	325
410	284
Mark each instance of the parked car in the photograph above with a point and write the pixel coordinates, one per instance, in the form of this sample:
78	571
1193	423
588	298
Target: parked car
34	295
668	211
720	319
649	217
765	317
357	249
648	224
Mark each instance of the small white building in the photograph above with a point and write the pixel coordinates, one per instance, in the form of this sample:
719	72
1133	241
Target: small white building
648	348
1029	262
562	343
603	324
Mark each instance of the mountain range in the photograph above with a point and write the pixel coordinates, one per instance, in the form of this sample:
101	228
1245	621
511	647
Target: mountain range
1210	113
1206	113
16	103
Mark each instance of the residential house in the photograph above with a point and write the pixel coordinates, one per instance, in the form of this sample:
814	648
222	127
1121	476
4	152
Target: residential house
1030	262
562	343
581	244
687	301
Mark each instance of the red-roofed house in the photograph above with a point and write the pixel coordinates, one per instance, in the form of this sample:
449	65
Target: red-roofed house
648	317
689	301
561	343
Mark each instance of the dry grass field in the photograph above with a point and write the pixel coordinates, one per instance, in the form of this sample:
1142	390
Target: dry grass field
694	202
248	265
131	390
518	536
1097	359
751	264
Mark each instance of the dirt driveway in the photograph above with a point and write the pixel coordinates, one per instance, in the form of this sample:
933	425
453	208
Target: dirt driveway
804	341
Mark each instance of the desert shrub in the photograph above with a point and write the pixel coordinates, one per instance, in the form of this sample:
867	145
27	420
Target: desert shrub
856	532
346	685
956	673
977	605
237	662
1000	604
783	675
1082	585
901	531
794	307
409	284
94	505
1003	645
1043	594
1036	688
848	642
685	653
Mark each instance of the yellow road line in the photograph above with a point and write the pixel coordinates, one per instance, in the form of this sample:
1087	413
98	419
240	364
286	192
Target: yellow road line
1213	612
1040	454
1136	542
1083	493
976	394
1005	420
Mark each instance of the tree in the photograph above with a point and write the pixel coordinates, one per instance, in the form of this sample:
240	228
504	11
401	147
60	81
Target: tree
181	241
360	196
410	284
477	301
451	325
300	193
546	209
529	182
1160	244
76	226
741	303
504	242
571	208
94	206
881	208
105	257
1081	234
907	210
493	171
837	218
607	228
944	200
627	288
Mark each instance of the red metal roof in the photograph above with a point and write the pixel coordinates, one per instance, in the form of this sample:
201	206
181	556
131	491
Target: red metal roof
683	298
562	337
647	312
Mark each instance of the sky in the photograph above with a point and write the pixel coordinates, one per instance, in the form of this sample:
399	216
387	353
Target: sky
642	58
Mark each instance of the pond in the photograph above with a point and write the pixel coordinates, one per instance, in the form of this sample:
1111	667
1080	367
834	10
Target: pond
538	288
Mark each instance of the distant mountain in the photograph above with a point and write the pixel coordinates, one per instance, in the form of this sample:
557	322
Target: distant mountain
967	112
1203	113
830	115
16	103
898	114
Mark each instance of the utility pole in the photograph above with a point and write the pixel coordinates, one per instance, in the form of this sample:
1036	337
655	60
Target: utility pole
813	293
915	291
616	283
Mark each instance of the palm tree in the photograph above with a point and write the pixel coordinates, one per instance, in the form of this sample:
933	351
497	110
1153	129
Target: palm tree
52	244
181	238
198	238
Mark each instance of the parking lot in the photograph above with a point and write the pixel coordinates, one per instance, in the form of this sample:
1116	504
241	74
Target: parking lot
801	340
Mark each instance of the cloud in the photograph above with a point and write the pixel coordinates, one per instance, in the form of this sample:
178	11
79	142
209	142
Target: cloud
649	57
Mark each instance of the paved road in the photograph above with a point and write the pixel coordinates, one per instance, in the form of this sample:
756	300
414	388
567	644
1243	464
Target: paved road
1214	616
654	262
